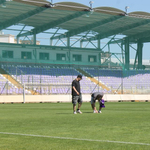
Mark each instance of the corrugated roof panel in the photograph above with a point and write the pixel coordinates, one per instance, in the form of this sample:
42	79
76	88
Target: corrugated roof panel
100	19
47	16
13	9
85	20
138	29
119	24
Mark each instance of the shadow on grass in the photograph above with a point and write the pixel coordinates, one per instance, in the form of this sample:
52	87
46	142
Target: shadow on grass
77	113
88	112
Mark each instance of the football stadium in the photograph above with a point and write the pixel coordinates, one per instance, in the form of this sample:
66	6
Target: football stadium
44	46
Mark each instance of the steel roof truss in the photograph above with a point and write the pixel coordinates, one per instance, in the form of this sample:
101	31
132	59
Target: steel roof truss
87	27
119	30
21	17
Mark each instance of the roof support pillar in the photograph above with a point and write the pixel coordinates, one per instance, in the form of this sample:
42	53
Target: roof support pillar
51	42
127	56
17	40
139	53
99	44
122	51
68	45
68	41
100	62
134	66
34	39
99	48
81	44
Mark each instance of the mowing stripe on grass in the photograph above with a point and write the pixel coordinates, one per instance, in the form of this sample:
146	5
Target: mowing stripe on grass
78	139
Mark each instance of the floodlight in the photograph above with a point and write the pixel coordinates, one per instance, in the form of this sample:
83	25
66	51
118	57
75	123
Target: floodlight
126	9
91	2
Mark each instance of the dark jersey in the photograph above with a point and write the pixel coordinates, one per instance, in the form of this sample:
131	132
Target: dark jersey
94	95
76	84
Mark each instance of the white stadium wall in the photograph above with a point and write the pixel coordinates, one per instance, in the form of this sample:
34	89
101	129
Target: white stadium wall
67	98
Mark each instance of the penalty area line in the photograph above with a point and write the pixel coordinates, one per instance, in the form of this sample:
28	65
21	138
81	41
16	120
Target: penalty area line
78	139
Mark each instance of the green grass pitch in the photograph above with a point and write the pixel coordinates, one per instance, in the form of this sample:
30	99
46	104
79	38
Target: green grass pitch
53	126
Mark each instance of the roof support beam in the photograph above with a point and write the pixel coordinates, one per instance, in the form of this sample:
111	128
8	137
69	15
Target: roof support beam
122	64
145	40
87	27
119	30
117	41
54	23
139	36
21	17
143	37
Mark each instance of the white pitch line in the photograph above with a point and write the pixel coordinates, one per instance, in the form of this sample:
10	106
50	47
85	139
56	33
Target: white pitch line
78	139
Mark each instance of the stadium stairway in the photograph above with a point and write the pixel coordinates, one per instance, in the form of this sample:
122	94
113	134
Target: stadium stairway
93	79
13	81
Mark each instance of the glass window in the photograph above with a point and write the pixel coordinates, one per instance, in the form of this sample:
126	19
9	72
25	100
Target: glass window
44	56
77	57
92	58
7	54
61	57
26	55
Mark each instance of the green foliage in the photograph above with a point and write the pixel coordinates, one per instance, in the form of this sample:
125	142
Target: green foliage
124	122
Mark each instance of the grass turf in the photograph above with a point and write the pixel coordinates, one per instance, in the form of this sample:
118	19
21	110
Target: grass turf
124	122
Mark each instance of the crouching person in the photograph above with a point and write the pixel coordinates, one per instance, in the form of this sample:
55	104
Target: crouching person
97	96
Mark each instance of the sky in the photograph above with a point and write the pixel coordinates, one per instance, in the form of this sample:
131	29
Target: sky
134	5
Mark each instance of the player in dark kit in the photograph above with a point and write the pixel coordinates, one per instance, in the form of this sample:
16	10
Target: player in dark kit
76	94
97	96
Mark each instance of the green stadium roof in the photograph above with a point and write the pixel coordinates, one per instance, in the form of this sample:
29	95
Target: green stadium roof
76	18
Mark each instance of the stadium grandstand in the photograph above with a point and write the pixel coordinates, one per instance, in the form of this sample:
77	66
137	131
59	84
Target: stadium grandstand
76	39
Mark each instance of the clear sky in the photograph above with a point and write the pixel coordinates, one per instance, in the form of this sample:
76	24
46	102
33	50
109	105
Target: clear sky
135	5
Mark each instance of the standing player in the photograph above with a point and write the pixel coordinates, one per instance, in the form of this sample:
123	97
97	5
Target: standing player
97	96
76	94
